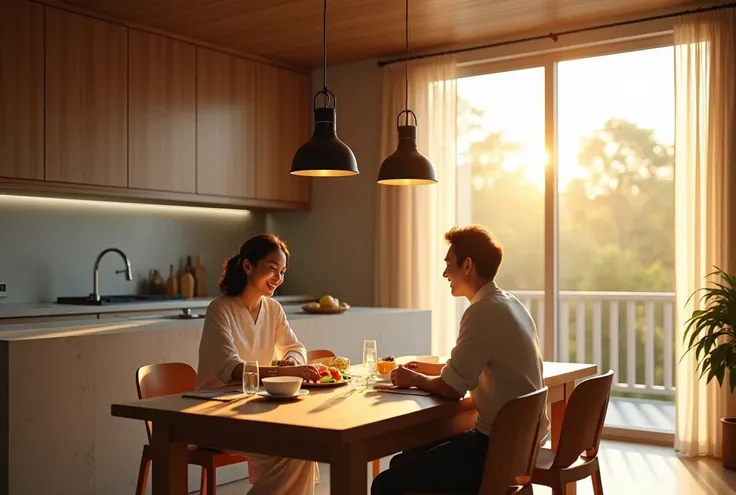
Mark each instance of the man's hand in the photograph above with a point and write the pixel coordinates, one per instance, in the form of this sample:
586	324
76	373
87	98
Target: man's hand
403	377
430	369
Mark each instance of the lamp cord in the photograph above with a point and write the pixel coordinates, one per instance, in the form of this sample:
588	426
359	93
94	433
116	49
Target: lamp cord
406	67
324	48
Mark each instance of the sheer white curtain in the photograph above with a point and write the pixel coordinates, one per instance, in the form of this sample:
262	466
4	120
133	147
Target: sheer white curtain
412	220
705	199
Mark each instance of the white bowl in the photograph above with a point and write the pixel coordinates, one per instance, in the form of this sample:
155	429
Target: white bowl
282	385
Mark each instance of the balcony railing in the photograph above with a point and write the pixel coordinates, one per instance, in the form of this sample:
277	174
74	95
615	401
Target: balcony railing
628	332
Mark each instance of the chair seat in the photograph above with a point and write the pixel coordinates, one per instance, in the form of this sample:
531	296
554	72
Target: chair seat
200	456
547	456
578	470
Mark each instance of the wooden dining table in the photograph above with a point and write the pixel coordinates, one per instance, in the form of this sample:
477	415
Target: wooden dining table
340	426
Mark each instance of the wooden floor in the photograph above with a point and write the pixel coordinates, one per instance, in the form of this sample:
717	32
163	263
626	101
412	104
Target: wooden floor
641	414
626	468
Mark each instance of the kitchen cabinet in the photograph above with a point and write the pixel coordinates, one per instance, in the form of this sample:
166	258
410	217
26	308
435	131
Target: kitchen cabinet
86	100
162	113
284	116
21	89
226	124
103	110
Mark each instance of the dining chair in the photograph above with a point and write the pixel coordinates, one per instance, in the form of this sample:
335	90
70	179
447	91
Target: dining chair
513	446
576	457
155	380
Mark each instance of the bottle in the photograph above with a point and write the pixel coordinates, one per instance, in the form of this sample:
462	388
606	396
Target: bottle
172	284
186	281
200	278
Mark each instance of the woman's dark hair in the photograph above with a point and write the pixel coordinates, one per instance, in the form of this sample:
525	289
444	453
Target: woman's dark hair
233	279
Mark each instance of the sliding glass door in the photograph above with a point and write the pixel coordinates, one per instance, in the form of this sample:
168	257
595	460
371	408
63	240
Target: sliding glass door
568	158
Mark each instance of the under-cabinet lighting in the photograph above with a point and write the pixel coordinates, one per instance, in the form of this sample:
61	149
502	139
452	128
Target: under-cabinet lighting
121	207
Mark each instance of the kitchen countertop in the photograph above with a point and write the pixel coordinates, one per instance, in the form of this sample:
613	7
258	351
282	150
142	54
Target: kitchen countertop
66	329
30	310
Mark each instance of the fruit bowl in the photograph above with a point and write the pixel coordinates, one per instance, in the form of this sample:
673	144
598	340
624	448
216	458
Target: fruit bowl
327	305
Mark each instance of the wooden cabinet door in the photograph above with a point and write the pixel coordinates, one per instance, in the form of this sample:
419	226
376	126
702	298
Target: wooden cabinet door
162	113
284	124
226	124
86	100
21	89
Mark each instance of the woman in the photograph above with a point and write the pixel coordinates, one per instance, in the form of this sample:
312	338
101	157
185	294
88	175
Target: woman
245	324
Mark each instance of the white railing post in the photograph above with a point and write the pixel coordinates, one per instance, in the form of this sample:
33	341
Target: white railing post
613	335
630	344
649	345
580	333
563	341
669	376
597	334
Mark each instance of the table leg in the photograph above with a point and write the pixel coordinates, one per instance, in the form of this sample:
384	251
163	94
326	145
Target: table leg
348	473
169	462
557	416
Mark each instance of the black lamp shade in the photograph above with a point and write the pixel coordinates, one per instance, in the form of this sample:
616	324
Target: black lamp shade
406	166
324	155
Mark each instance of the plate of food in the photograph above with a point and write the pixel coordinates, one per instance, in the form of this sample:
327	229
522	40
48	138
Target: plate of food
327	305
330	376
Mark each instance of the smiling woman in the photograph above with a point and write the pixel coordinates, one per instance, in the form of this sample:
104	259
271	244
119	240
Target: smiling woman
247	324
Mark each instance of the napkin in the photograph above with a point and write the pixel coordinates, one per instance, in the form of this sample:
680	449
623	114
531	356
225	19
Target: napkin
221	394
393	389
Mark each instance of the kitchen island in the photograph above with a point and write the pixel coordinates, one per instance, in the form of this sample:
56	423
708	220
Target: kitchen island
59	379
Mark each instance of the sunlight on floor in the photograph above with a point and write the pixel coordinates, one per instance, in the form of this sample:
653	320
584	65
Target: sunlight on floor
627	468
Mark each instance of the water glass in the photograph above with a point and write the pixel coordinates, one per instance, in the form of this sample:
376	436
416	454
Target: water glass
359	381
250	377
370	356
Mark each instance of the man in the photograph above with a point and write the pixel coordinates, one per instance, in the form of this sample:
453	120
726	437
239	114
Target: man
496	358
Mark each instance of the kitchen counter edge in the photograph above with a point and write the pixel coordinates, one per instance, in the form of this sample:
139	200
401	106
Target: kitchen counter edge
33	310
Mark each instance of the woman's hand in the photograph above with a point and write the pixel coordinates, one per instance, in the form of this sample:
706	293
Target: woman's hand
289	361
305	371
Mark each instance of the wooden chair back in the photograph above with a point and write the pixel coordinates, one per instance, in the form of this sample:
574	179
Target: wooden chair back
513	445
585	414
155	380
319	354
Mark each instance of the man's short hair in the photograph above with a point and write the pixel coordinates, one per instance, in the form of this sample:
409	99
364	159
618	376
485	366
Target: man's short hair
475	242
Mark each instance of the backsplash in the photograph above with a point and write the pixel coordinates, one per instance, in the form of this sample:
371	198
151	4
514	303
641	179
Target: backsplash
48	246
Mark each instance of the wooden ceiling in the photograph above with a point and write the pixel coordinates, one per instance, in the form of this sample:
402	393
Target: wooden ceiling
290	31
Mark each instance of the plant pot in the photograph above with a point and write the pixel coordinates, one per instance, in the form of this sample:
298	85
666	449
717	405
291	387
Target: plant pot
728	430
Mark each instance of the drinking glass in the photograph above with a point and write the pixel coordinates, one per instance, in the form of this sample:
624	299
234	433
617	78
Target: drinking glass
250	377
359	381
370	356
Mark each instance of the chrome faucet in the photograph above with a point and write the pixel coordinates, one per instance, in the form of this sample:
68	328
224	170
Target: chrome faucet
95	295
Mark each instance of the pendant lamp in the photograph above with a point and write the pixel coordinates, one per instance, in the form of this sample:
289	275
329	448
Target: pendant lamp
324	155
406	166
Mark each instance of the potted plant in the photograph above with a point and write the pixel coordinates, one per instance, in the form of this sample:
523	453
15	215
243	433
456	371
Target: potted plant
710	332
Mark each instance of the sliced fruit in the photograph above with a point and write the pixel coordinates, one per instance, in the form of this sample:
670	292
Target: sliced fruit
336	374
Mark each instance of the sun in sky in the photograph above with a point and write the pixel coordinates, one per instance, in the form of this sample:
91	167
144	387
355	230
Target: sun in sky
637	86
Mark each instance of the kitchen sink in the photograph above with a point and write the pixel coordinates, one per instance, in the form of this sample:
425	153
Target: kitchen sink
123	299
193	316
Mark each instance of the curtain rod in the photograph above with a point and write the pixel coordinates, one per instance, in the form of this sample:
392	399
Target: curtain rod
554	36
